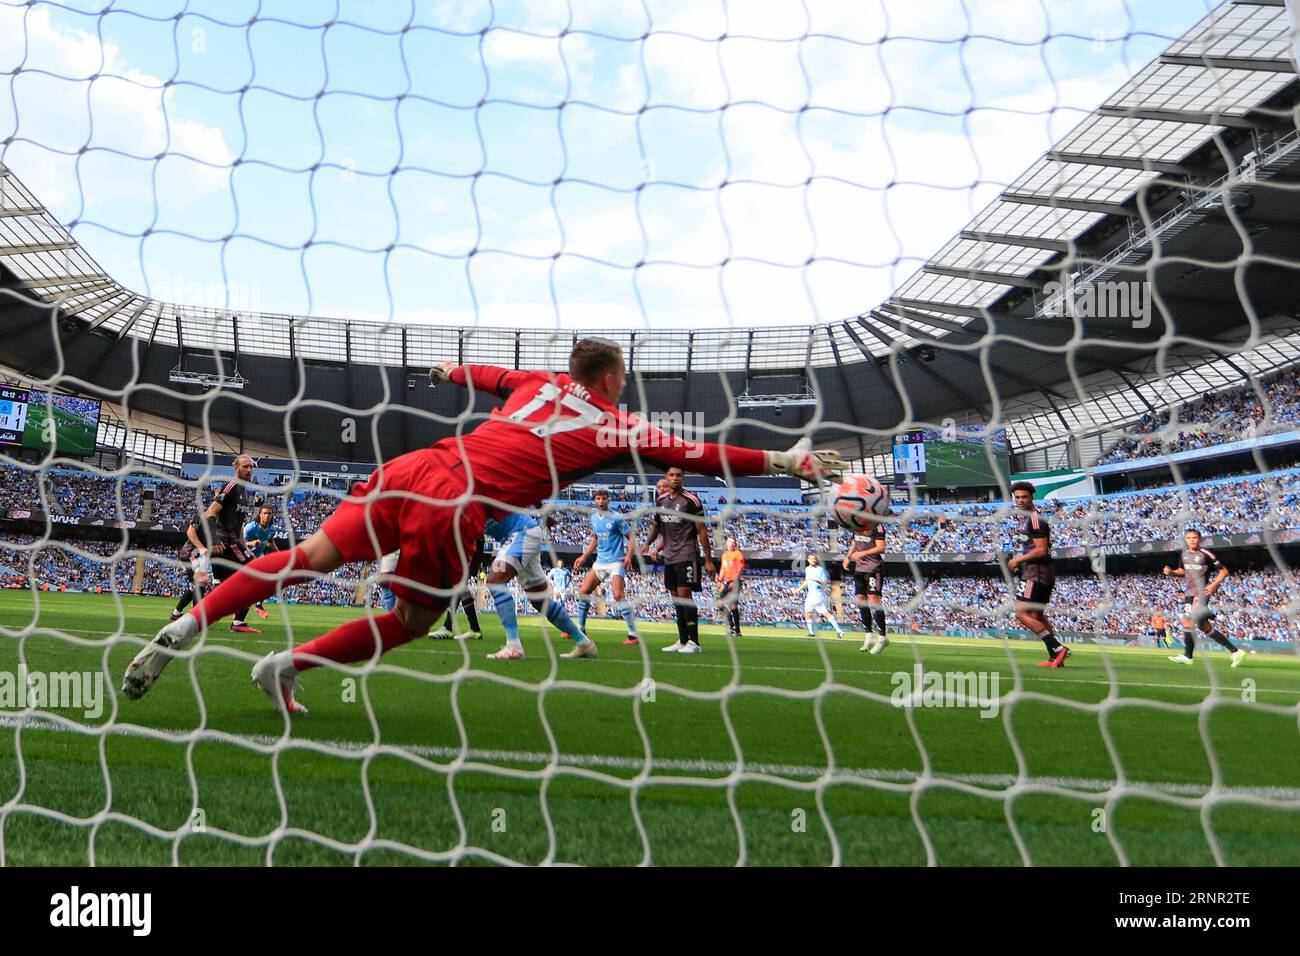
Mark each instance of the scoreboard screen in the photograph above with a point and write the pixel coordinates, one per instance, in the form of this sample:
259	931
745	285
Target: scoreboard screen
951	458
43	420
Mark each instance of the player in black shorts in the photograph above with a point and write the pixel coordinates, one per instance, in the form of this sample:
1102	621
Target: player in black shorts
679	534
227	514
865	559
1195	565
1036	573
195	553
466	602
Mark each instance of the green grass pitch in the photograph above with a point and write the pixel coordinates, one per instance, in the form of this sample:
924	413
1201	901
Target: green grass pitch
959	465
73	435
463	769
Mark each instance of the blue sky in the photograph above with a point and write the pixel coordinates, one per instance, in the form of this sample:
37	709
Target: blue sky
854	139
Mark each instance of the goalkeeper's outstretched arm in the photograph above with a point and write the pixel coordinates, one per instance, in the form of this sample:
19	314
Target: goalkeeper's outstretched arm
652	444
707	458
484	378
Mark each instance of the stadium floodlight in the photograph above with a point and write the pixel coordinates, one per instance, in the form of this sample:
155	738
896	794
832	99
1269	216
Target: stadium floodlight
181	376
801	399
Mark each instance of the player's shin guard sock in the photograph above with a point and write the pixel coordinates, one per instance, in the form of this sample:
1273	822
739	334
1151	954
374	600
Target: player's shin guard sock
693	623
734	614
557	615
1047	636
812	628
681	623
471	612
505	603
186	598
1189	642
879	616
584	608
354	641
254	581
628	614
1217	636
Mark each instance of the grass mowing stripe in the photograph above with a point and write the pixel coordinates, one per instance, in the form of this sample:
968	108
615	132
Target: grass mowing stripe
425	764
606	761
895	640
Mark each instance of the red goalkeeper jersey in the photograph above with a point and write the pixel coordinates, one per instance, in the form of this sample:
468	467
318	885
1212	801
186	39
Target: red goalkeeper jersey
552	431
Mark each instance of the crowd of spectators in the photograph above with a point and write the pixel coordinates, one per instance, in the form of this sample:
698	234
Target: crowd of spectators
1227	416
770	530
623	498
87	496
1251	604
86	409
97	566
1215	508
1227	506
20	489
60	565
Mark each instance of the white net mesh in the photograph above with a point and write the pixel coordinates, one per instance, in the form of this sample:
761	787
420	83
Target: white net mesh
1019	239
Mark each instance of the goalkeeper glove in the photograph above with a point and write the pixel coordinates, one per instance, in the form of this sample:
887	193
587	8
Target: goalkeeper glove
441	373
802	462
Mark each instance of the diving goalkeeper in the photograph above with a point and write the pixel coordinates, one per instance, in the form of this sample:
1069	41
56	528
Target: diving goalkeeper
433	503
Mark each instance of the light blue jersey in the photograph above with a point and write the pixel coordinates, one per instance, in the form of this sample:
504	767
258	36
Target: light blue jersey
560	578
819	582
611	530
503	529
263	536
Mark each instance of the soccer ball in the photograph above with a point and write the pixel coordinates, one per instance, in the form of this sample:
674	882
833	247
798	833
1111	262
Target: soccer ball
858	500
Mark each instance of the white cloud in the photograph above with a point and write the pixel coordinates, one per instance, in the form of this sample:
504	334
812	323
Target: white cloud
122	111
914	129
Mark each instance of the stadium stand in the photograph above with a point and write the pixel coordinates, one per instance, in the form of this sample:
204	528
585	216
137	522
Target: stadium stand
1228	416
1225	506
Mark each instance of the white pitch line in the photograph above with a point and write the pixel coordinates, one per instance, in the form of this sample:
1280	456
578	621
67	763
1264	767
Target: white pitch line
711	767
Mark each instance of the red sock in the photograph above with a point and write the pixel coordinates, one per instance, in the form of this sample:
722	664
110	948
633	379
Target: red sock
248	587
354	641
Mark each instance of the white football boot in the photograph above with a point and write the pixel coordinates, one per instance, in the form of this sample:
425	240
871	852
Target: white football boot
690	647
276	676
586	648
674	648
149	663
1180	659
1237	657
881	644
511	652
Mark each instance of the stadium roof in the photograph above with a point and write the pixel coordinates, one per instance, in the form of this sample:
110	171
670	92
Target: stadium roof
1187	178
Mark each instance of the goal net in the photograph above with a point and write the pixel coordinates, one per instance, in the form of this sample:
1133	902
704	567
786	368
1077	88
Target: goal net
968	245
